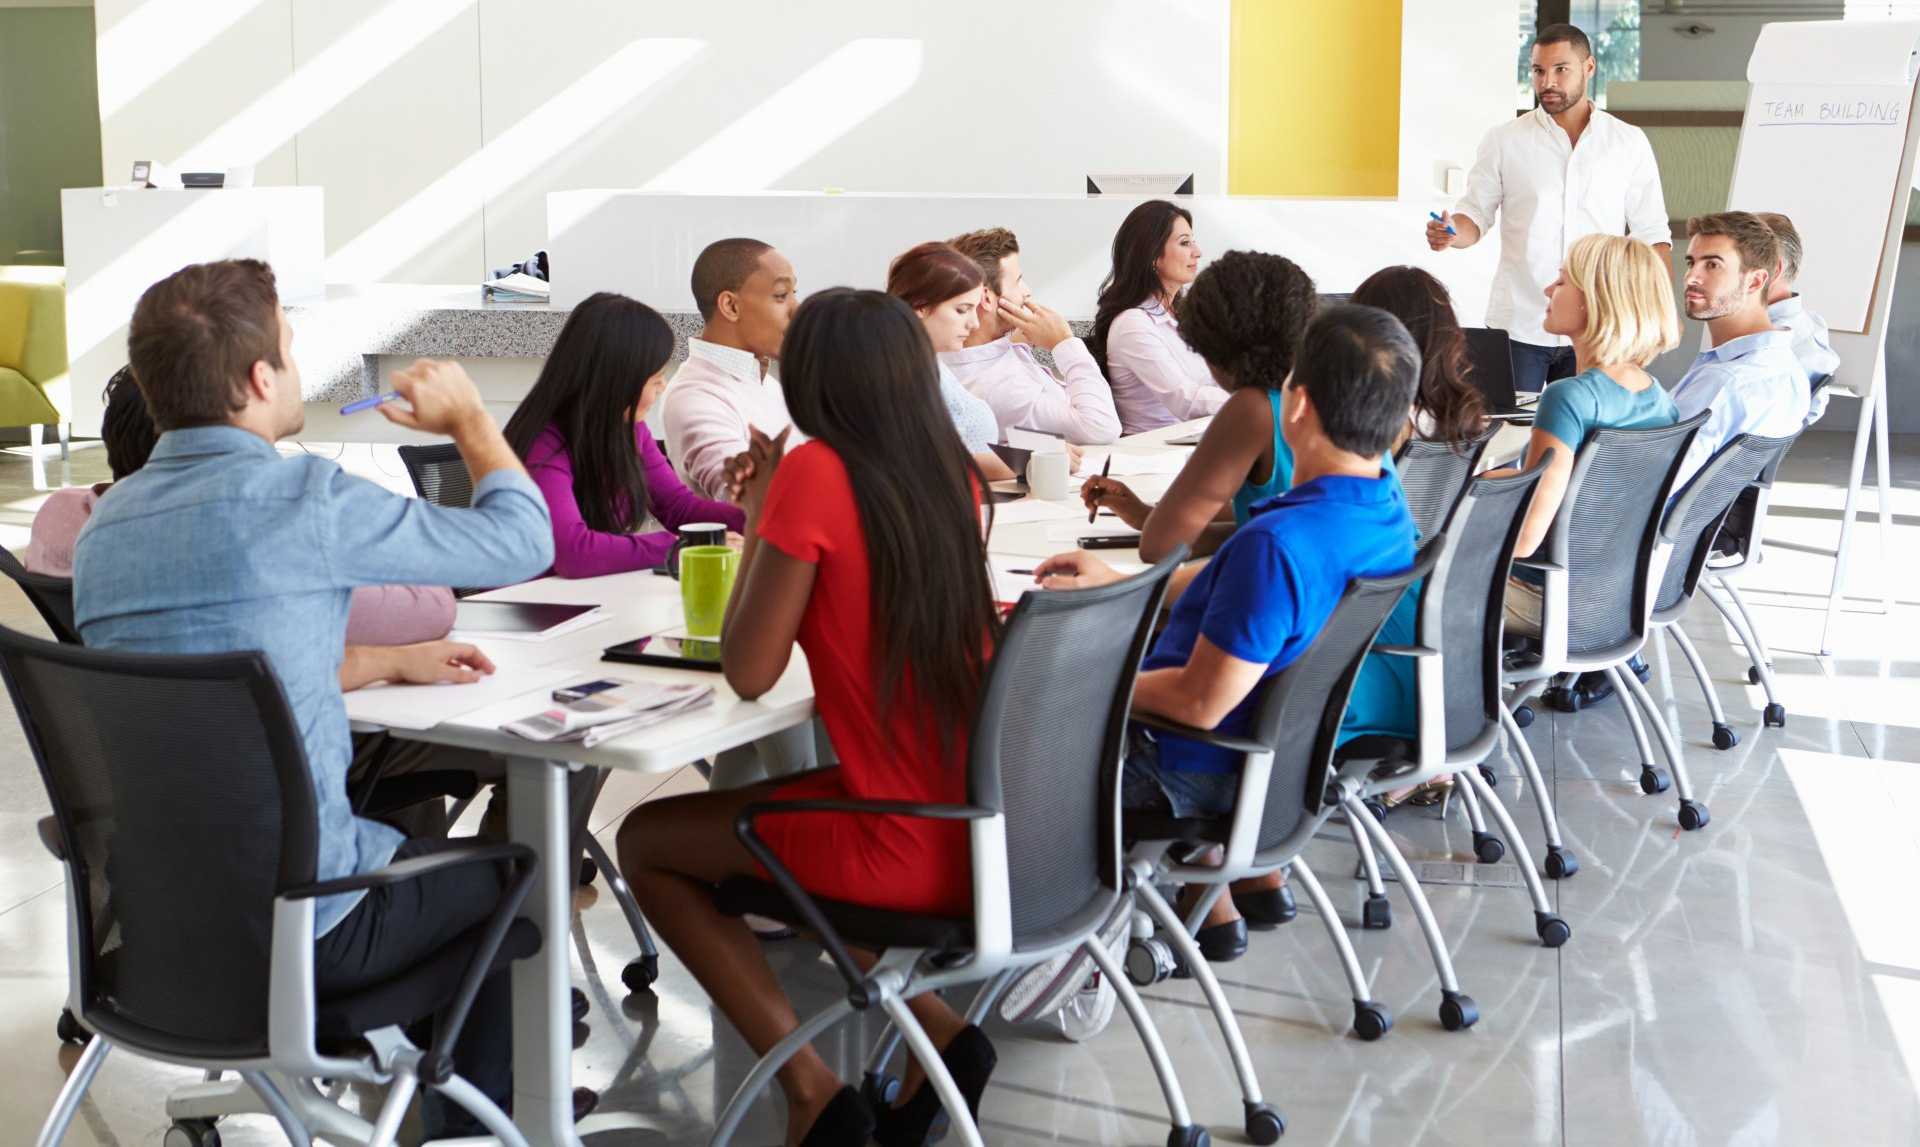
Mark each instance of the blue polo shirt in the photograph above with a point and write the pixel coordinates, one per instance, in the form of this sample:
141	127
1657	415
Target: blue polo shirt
1268	591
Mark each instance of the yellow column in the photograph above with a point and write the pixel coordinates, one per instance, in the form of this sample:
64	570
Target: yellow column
1313	103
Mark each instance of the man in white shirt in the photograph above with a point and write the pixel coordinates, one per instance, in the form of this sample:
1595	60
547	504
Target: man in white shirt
998	363
1748	377
1562	172
747	293
1785	309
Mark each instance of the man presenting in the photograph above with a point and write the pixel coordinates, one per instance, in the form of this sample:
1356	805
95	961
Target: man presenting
1559	173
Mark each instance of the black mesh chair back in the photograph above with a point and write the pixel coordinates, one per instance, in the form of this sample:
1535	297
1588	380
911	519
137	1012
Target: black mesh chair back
1465	621
439	474
1694	519
1607	529
1047	742
1434	473
1740	535
1299	713
182	795
51	596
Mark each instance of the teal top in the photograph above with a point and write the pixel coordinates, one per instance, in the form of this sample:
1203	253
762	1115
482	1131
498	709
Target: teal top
1277	483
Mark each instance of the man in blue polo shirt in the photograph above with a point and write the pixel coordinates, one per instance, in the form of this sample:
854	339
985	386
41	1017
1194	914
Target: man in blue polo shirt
1249	612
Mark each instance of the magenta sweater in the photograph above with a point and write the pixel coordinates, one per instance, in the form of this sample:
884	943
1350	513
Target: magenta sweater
582	552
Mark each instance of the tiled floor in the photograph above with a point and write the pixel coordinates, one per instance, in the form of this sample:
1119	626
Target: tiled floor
1756	982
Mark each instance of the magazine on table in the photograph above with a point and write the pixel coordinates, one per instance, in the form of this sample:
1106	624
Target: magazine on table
618	707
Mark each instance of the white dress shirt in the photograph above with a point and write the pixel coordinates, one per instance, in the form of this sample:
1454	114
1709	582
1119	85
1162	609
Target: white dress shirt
1810	346
1023	393
714	396
1548	194
1752	384
1157	379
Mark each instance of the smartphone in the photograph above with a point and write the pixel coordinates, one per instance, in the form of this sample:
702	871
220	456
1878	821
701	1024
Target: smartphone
1110	542
582	692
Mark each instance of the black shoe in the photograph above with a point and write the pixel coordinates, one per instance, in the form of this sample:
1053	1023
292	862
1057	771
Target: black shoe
1268	908
969	1059
1223	943
846	1121
585	1099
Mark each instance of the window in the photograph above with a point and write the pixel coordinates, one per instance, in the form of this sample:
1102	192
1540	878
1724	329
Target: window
1613	27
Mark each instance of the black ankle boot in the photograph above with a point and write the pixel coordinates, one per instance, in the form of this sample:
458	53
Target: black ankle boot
969	1058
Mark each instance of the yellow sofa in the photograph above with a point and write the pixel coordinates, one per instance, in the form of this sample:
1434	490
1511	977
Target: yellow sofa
34	389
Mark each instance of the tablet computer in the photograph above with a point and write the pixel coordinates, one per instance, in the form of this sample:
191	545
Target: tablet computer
671	650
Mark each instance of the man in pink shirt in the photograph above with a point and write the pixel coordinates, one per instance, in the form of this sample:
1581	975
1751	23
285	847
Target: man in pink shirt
998	364
746	292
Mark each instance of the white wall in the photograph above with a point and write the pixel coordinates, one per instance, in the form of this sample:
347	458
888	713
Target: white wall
1456	82
438	126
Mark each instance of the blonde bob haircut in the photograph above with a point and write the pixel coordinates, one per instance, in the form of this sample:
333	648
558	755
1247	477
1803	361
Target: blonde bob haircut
1629	290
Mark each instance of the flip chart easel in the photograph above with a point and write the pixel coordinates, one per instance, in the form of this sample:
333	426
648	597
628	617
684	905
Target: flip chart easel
1829	140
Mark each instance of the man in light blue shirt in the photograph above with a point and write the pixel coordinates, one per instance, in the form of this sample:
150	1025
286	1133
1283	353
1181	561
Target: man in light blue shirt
221	544
1749	377
1786	309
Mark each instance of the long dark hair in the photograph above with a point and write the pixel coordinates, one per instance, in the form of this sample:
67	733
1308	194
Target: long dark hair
609	348
1132	280
1422	304
860	376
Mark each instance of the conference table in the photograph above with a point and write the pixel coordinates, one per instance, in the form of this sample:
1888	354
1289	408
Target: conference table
642	603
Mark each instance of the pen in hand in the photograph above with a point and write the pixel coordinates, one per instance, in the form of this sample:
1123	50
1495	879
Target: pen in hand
1436	218
358	405
1093	511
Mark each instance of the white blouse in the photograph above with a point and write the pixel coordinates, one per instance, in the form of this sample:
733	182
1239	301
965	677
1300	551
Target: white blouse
1157	379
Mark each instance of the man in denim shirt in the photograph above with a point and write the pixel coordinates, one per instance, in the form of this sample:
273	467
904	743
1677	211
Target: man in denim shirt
221	544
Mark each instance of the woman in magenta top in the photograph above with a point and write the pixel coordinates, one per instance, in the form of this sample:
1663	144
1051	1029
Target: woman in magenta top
614	499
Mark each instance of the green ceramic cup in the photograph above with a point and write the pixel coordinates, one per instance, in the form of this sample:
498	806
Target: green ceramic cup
706	582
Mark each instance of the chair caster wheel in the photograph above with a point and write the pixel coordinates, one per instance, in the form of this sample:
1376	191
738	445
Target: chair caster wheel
1774	716
1753	675
1552	930
1376	912
1377	807
580	1006
1150	961
588	870
1458	1011
1488	775
192	1133
1560	863
1523	716
1693	815
1565	700
640	973
1370	1020
1724	737
880	1089
69	1029
1192	1135
1652	780
1265	1124
1487	848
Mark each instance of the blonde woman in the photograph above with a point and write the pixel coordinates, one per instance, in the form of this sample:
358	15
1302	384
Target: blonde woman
1614	299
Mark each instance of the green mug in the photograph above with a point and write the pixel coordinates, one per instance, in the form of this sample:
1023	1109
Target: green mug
706	582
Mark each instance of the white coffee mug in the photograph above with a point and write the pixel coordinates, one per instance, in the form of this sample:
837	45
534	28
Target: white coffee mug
1047	475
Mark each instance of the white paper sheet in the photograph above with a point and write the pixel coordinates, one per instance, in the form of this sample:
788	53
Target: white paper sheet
1126	465
1070	534
1034	510
424	706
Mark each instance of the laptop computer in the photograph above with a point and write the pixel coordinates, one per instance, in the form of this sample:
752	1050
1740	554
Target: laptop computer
1490	368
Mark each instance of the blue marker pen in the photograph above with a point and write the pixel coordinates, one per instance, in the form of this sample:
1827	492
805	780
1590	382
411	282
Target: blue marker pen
358	405
1436	219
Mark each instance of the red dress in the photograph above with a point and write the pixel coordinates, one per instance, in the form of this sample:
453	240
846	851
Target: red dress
900	863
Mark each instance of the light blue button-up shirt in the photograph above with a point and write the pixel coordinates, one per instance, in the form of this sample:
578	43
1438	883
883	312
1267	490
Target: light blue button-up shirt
219	544
1811	346
1753	385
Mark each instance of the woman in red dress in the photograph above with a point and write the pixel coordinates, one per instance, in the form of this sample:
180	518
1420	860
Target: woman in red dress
864	546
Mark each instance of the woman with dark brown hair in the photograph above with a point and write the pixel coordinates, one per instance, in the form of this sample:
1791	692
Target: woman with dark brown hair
1447	407
1157	380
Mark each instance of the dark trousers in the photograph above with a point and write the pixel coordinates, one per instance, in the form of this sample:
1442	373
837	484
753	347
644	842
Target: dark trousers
1535	366
395	927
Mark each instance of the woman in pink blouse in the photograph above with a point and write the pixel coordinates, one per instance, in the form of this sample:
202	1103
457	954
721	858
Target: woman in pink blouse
614	498
1157	379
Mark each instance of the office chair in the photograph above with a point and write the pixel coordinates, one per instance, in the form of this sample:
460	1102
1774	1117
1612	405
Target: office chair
183	798
1692	525
51	597
1737	550
1043	796
1599	565
1433	475
1456	654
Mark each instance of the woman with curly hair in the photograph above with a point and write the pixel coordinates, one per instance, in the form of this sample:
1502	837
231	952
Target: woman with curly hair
1243	316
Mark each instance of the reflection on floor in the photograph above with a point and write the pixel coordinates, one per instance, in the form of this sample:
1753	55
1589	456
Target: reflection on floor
1755	982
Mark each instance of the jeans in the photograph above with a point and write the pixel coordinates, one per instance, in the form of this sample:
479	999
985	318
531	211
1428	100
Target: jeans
1535	366
1145	785
393	928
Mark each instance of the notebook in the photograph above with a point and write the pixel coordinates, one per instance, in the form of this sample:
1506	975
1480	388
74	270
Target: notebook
522	619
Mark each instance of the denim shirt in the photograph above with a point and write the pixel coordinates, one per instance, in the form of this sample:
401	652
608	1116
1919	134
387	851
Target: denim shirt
219	544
